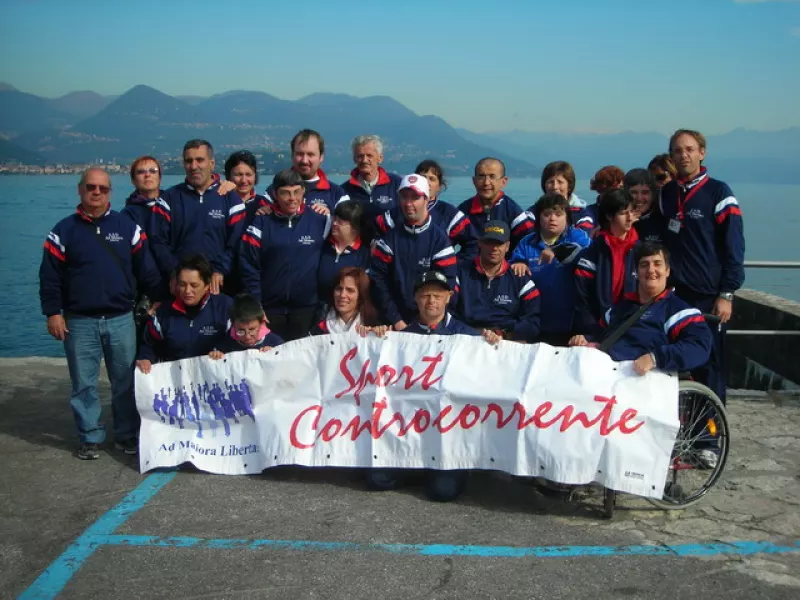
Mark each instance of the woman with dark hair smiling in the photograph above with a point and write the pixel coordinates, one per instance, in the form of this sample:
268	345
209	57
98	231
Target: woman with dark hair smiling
241	170
188	326
606	270
350	307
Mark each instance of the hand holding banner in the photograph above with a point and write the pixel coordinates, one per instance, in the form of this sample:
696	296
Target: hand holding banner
570	415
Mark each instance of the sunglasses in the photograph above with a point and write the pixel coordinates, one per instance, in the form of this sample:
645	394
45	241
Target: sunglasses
151	170
661	177
91	187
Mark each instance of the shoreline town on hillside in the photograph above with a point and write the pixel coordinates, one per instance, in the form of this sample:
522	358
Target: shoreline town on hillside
224	262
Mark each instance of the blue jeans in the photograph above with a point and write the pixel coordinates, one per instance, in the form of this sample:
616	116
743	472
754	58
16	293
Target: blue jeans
90	339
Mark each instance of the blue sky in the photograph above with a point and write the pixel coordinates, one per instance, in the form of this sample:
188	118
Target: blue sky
567	65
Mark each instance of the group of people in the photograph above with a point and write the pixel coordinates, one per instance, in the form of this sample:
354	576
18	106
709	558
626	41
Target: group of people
220	268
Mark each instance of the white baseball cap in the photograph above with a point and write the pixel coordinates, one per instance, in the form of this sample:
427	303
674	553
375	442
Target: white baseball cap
418	183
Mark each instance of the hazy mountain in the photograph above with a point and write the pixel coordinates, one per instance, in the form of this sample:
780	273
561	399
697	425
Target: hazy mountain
81	104
740	155
191	99
12	153
7	87
145	120
85	126
21	113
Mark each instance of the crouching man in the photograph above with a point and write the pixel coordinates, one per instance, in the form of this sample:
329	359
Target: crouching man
432	293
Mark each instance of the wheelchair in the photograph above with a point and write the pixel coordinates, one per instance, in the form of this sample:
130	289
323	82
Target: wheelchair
703	425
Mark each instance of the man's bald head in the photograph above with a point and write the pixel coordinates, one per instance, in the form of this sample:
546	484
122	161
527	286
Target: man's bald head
488	161
94	172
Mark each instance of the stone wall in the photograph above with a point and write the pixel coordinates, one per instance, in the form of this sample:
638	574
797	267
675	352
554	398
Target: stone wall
764	362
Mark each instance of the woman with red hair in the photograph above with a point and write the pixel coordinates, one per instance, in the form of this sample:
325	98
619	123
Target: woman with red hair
607	179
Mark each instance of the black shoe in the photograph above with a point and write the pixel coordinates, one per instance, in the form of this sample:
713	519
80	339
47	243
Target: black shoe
89	451
129	446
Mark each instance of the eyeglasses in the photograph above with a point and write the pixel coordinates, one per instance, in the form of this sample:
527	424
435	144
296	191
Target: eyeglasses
661	177
151	170
91	187
246	332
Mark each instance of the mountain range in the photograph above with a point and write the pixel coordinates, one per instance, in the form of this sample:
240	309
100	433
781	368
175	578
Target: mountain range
84	126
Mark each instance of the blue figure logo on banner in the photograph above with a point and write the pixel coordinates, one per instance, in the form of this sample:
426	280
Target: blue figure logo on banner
201	404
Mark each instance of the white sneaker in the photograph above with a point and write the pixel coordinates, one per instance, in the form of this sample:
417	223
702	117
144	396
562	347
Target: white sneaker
707	458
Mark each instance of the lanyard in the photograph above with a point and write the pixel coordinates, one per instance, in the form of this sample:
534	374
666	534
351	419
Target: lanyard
683	199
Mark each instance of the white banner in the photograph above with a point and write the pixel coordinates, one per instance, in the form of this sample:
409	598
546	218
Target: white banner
570	415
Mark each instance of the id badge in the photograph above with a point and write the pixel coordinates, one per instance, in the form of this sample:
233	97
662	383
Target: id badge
674	226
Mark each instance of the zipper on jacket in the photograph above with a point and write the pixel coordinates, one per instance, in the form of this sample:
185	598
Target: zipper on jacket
191	323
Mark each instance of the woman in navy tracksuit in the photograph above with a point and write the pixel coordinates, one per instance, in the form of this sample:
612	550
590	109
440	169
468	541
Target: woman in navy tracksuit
191	324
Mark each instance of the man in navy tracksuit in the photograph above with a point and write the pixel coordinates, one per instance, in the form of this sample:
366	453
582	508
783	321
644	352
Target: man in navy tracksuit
193	218
447	217
279	258
404	252
491	204
432	293
308	152
369	183
490	296
91	265
706	238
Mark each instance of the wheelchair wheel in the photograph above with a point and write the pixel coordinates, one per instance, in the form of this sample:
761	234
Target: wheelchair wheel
703	426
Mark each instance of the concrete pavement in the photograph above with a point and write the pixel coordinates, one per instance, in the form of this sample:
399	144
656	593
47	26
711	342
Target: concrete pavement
315	533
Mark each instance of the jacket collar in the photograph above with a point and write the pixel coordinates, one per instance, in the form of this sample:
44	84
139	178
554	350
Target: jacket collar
443	324
82	214
476	206
634	296
136	199
183	309
348	249
689	184
214	184
383	177
322	183
417	229
479	268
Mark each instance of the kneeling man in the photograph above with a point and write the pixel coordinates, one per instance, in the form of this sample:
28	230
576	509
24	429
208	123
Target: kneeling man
432	293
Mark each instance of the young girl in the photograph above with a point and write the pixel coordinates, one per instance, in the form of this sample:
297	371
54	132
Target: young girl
249	330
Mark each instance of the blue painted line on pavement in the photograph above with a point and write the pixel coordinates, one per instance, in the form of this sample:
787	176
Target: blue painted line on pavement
740	548
62	569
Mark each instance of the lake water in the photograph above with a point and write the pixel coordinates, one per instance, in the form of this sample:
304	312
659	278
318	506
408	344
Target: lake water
33	204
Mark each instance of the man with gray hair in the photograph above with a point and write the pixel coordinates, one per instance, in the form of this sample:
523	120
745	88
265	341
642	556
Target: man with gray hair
369	183
92	264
